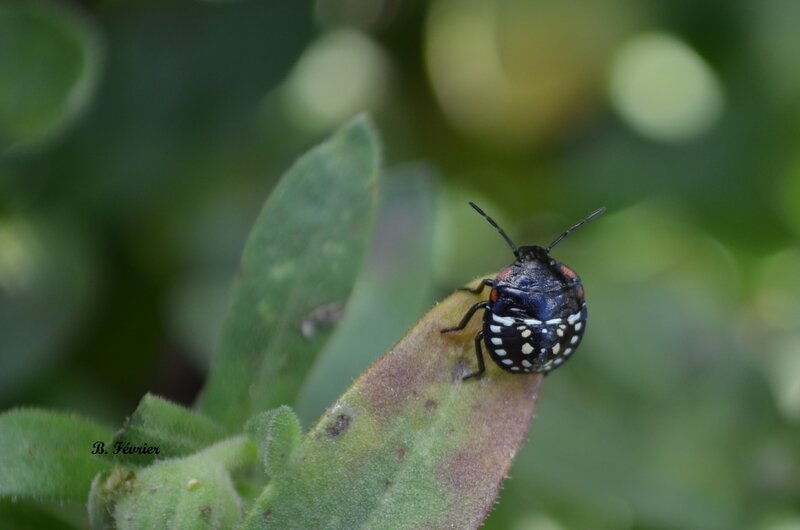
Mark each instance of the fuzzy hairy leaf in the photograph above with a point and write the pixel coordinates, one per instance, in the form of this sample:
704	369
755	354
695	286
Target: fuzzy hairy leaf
47	455
297	271
278	434
194	492
175	430
409	445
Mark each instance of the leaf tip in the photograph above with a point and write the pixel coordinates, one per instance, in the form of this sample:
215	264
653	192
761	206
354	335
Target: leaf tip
362	127
277	433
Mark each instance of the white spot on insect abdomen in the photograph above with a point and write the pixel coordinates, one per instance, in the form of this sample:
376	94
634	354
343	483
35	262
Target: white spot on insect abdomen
506	321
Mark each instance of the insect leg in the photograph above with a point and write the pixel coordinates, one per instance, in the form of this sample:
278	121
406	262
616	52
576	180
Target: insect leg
464	321
479	356
479	288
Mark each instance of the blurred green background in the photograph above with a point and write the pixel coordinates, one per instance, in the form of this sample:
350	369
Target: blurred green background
138	140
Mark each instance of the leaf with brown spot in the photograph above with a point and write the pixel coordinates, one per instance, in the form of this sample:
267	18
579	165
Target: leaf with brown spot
299	265
187	493
409	445
339	425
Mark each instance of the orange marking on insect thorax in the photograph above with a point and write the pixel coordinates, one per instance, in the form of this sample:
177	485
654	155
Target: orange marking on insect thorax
504	273
494	295
569	273
580	292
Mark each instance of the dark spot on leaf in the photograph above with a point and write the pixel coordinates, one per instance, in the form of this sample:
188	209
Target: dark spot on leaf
205	511
266	514
400	452
323	316
387	485
339	426
430	405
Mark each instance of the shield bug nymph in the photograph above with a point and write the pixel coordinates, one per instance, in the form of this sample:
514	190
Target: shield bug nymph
535	316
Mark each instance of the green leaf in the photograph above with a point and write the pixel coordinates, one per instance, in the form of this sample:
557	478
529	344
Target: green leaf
297	271
277	433
48	454
25	515
187	493
393	290
49	58
410	444
175	430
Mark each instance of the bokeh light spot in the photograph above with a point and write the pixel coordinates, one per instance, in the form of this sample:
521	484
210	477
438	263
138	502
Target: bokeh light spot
785	376
18	255
663	89
342	73
537	521
514	74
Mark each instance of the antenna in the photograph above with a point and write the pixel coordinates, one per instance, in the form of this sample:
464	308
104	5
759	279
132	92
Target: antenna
574	227
494	224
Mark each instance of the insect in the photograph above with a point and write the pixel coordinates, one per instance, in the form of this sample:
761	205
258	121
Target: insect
535	316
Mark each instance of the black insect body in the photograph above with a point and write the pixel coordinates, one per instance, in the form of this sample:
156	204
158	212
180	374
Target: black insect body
536	314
